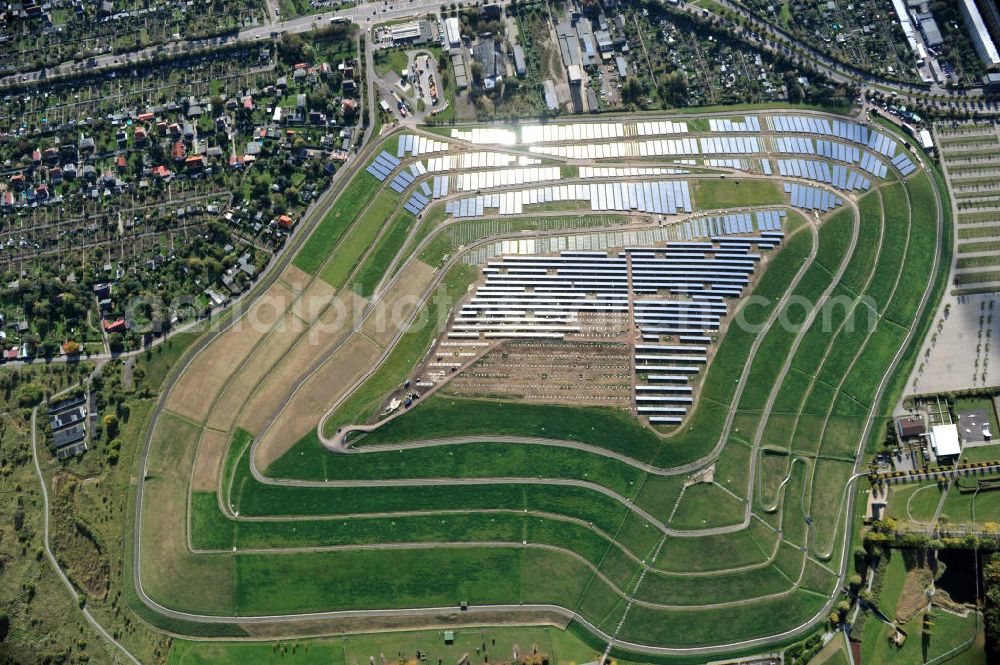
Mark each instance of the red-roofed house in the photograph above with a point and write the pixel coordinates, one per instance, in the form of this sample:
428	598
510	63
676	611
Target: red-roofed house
140	134
11	353
117	326
36	156
194	162
145	117
161	171
120	162
286	222
248	103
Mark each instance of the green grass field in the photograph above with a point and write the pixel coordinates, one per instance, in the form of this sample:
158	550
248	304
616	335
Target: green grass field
733	191
358	240
559	646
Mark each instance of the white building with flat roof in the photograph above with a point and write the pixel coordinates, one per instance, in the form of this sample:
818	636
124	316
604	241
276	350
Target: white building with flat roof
453	32
981	39
944	441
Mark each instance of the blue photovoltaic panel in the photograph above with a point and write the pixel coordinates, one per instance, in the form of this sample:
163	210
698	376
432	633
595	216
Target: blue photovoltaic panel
377	173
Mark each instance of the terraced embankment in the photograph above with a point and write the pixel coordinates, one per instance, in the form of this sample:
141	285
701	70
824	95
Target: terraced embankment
580	514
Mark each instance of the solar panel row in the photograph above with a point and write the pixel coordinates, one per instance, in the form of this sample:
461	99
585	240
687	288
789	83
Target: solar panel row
477	160
573	132
729	144
486	135
665	197
839	176
401	181
416	203
618	149
904	164
627	171
440	188
660	127
811	198
727	163
797	144
416	146
749	123
383	165
469	182
873	165
837	151
882	144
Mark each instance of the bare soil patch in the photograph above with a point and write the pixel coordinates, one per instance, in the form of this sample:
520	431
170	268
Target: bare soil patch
208	462
295	277
595	373
205	376
397	305
242	384
313	346
322	389
314	299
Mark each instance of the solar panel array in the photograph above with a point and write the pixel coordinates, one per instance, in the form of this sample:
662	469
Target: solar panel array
796	144
850	131
416	146
729	145
881	143
679	294
440	188
477	160
873	165
749	123
904	164
811	198
603	240
583	131
382	166
666	197
650	148
839	176
416	203
470	182
838	151
831	150
765	166
727	163
656	128
627	171
736	223
486	135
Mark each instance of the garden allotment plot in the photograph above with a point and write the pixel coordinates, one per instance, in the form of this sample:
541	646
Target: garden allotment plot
614	374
